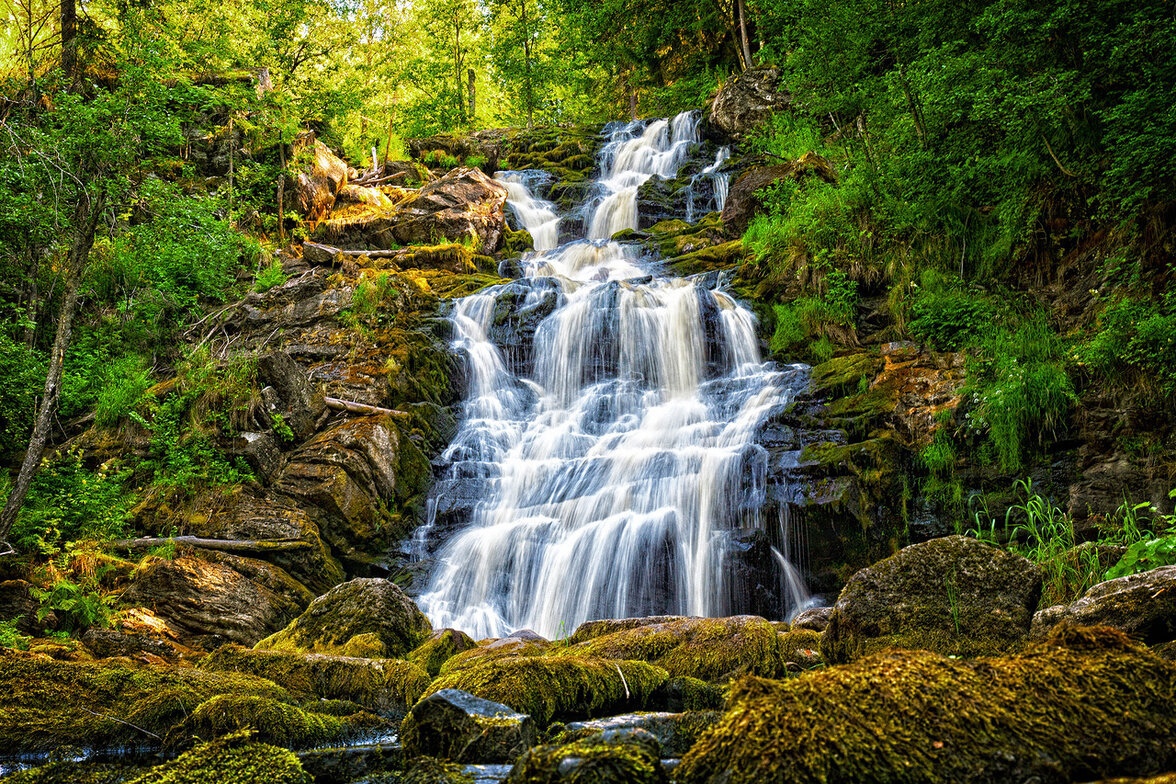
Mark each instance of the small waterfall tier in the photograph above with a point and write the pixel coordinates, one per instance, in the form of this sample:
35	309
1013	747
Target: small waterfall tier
606	463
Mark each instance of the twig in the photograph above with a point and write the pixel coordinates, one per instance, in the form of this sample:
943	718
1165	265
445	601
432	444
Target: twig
120	721
360	408
227	545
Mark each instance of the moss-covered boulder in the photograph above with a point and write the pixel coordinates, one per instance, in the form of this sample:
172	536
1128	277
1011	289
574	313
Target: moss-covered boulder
611	757
557	688
675	732
369	617
428	770
46	704
493	650
706	648
273	721
388	687
456	725
441	646
954	595
236	759
1087	703
1143	605
687	694
70	772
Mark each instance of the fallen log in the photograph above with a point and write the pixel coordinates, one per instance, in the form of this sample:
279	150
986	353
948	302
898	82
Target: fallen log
228	545
361	408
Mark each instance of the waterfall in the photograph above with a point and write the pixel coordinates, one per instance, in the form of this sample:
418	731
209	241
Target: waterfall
606	454
720	182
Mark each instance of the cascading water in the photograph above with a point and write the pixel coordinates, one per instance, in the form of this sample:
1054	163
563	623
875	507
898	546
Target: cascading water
608	456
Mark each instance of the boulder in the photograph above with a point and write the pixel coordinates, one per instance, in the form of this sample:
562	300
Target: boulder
456	725
1087	703
388	687
743	202
299	400
441	646
216	598
747	101
814	618
1142	605
954	595
611	757
237	758
368	617
675	732
18	605
277	721
557	688
317	186
343	478
464	204
710	649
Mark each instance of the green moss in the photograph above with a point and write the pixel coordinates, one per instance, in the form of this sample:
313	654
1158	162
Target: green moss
1084	704
715	257
517	242
46	704
440	648
508	648
73	773
273	721
841	376
427	770
232	759
451	257
591	760
802	646
386	686
557	688
709	649
688	694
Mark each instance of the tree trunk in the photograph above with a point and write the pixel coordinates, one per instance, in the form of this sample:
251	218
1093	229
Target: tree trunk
744	44
473	102
87	213
69	39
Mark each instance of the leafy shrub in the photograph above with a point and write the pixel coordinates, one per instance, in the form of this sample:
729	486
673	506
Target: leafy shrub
22	377
1142	556
1137	334
269	277
76	606
125	383
947	315
10	637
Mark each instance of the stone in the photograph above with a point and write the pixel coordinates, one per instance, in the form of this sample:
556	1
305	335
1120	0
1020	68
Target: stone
1082	705
368	617
454	724
317	186
747	101
19	606
814	618
609	757
1142	605
216	598
743	202
343	478
675	732
464	204
301	401
441	646
388	687
954	595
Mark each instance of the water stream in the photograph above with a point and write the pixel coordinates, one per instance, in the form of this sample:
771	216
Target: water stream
607	450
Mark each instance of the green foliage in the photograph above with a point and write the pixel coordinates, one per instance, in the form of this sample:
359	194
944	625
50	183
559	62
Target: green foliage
10	636
1044	534
1145	549
69	500
125	383
1145	555
805	328
76	606
1136	335
22	378
947	314
269	277
1019	390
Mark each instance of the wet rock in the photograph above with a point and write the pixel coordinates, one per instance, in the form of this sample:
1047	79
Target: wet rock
954	595
355	762
300	401
388	687
675	732
368	617
746	102
277	721
610	757
1142	605
743	203
441	646
137	645
19	606
317	187
684	693
363	196
1087	703
260	450
519	308
712	649
814	618
456	725
217	598
556	688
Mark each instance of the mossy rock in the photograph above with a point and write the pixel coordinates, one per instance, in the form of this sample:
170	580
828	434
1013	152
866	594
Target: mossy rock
800	646
602	758
557	688
368	617
46	704
388	687
954	595
1086	704
429	770
710	649
442	646
517	242
233	759
447	257
708	259
274	722
456	725
841	376
675	733
687	694
69	772
493	650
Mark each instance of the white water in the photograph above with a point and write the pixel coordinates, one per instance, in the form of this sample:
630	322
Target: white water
613	472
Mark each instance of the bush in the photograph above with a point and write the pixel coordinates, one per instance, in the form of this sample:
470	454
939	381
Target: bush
947	315
1137	334
125	383
22	377
270	276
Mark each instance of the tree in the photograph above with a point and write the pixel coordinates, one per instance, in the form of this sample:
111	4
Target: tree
83	157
